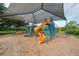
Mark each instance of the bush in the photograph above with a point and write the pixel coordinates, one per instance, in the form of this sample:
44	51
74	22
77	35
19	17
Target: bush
72	28
76	32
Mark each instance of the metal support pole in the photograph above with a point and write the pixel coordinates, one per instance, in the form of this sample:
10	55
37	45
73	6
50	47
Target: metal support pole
34	18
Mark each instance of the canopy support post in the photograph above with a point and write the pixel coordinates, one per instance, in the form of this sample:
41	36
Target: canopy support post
34	18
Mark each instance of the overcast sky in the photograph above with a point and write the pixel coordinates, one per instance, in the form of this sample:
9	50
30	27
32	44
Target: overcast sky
71	11
7	4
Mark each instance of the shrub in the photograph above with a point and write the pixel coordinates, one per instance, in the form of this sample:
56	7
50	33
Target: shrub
72	28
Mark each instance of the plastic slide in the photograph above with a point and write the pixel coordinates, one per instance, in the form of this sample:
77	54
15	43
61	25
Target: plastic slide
41	35
37	31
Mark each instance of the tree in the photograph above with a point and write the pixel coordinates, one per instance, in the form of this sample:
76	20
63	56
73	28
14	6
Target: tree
71	24
2	8
72	28
7	23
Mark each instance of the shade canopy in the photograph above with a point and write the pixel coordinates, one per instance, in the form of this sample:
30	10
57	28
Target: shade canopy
34	12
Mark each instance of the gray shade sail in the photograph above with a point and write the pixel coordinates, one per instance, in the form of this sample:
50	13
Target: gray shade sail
41	15
28	18
18	8
35	12
55	8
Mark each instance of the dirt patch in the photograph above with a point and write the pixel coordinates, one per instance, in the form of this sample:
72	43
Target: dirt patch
18	45
3	48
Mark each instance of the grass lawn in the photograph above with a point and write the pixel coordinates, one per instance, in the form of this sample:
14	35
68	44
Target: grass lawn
8	32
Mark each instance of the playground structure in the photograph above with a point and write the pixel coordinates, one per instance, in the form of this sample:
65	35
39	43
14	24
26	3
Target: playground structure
63	44
44	31
36	13
29	29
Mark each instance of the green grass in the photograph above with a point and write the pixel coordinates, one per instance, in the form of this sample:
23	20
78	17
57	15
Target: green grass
8	32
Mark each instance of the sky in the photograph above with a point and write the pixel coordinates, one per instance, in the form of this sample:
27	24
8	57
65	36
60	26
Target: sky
61	23
71	12
7	5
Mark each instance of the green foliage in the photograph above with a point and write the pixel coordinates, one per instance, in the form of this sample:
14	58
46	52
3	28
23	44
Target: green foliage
11	31
72	28
6	32
2	8
6	23
56	30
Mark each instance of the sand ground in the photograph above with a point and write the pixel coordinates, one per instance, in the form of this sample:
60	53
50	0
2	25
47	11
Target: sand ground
18	45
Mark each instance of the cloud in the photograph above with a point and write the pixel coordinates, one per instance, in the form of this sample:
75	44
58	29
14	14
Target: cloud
71	11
